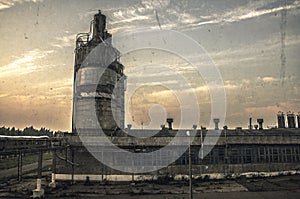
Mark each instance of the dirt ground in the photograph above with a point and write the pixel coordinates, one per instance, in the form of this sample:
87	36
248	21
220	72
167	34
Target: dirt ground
259	188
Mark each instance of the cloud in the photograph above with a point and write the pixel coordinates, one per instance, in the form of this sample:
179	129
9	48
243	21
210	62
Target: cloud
61	86
273	109
127	16
249	11
142	14
227	85
4	4
25	64
268	79
39	111
251	53
3	95
64	41
183	15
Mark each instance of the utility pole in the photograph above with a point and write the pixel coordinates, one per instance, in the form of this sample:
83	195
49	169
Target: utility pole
190	162
190	172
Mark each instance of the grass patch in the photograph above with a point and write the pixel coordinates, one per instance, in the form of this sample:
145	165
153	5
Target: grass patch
28	159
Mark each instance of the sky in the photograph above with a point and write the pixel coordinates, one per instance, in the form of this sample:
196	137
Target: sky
254	44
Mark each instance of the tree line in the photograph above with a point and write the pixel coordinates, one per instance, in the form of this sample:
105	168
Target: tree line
28	131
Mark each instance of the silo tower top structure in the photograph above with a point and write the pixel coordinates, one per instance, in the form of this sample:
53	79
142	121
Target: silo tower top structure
99	27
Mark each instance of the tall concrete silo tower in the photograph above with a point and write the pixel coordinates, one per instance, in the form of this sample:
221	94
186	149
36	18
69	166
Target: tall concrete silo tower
98	80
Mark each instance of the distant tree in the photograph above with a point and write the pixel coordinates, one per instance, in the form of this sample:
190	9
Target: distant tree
3	131
30	131
27	131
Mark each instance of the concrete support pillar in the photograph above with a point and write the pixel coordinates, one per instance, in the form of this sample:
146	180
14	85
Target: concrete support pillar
38	184
39	191
285	155
265	154
73	166
20	167
272	154
53	183
40	165
298	154
254	154
282	155
258	155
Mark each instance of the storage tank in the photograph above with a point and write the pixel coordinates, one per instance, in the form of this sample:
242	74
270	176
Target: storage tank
281	120
291	120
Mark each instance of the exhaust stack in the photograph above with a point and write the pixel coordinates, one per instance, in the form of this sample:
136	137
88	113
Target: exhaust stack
260	123
170	121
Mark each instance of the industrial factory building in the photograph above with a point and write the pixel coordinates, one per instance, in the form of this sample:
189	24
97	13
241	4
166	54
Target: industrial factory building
237	151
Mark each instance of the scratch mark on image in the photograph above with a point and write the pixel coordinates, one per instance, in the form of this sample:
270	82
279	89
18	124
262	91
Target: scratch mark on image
283	34
157	19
